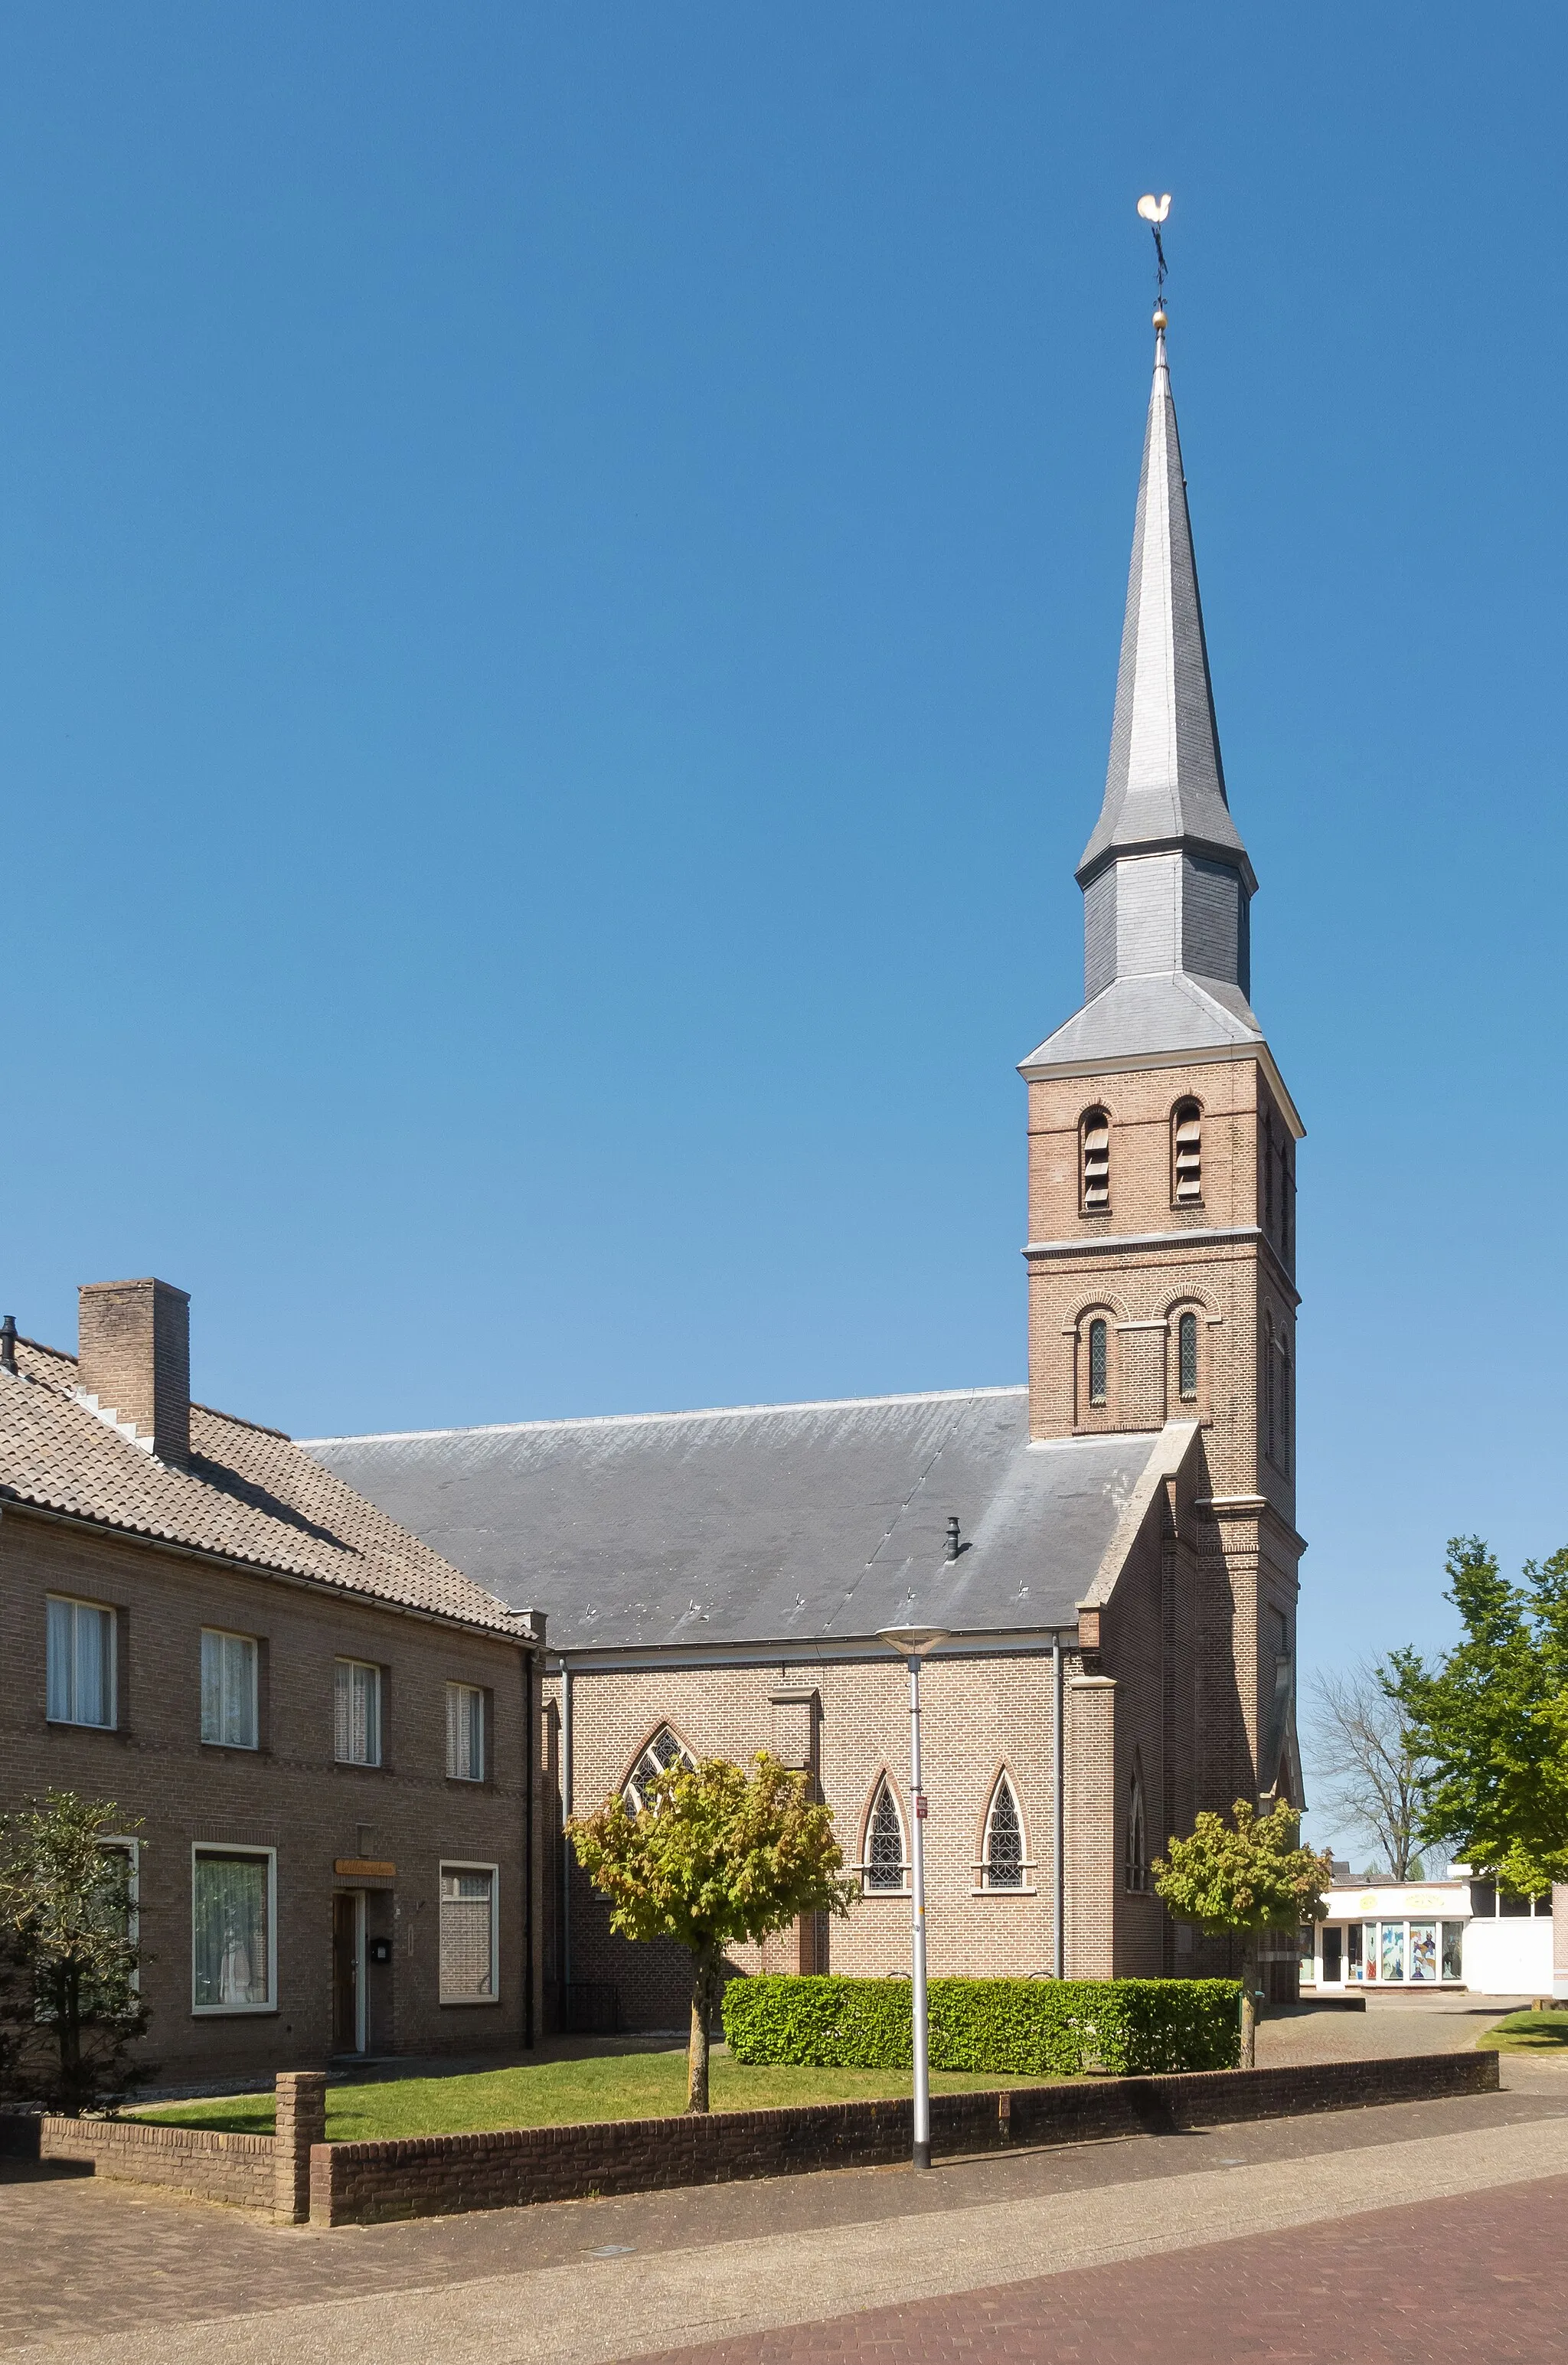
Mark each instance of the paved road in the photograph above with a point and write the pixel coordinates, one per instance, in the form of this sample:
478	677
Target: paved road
1262	2241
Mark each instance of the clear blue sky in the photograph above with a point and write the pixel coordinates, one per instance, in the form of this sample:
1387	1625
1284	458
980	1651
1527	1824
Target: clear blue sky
560	572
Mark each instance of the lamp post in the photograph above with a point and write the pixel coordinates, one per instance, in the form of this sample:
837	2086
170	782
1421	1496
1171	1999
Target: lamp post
912	1642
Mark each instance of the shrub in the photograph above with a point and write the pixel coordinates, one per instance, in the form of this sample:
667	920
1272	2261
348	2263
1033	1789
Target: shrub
1028	2028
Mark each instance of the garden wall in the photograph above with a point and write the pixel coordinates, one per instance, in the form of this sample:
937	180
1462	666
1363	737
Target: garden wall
431	2176
233	2169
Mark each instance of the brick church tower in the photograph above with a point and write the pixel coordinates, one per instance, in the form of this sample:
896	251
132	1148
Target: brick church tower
1161	1249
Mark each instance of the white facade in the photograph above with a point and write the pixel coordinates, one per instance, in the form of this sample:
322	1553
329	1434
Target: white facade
1417	1937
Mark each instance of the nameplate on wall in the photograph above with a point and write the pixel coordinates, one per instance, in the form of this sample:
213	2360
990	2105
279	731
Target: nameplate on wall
362	1867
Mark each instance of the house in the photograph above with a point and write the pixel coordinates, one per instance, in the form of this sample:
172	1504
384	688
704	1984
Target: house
1111	1549
320	1733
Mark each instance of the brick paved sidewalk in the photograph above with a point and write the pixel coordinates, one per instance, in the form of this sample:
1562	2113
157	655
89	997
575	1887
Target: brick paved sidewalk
1481	2277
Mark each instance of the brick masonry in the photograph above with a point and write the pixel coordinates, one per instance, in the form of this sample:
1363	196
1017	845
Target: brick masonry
368	2183
234	2169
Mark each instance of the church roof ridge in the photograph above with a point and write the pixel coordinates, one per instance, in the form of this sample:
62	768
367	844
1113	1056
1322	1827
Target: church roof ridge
651	1419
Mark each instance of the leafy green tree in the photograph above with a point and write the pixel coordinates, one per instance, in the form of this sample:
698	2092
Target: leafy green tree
716	1855
1492	1716
1237	1878
69	2004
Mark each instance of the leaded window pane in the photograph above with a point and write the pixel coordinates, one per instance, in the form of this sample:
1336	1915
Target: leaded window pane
1099	1337
884	1843
1004	1840
662	1752
1187	1356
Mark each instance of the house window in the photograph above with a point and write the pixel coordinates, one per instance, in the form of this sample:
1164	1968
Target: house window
1004	1866
468	1933
357	1712
662	1752
1136	1865
1187	1357
465	1732
233	1919
228	1689
1094	1158
1186	1154
1099	1358
884	1867
80	1678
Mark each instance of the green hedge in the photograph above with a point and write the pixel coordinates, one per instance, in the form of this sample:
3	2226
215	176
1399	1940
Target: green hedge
1029	2028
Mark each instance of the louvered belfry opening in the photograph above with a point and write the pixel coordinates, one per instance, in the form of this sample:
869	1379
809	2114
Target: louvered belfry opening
1095	1162
1187	1154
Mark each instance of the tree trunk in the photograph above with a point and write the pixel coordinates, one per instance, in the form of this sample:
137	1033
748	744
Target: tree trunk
704	1979
1249	2003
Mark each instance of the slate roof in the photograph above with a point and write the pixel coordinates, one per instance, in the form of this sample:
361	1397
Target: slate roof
250	1494
1168	1008
792	1524
1165	783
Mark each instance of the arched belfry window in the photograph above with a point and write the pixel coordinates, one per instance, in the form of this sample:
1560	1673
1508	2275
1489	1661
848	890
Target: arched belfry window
662	1752
884	1867
1004	1866
1186	1154
1136	1863
1187	1358
1286	1408
1095	1162
1269	1431
1099	1358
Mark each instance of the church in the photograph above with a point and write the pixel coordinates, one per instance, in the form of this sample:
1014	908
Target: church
1111	1549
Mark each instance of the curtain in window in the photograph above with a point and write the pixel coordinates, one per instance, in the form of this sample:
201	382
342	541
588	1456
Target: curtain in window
465	1732
358	1713
80	1664
230	1951
466	1972
229	1689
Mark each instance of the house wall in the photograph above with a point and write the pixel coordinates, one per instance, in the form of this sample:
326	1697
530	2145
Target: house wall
290	1794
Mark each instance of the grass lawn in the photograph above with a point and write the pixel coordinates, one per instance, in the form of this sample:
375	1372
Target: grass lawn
570	2084
1527	2032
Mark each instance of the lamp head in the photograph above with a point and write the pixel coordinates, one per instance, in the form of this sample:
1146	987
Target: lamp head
913	1642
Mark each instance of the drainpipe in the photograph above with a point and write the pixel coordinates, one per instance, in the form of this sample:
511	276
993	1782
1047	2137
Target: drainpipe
566	1815
1058	1759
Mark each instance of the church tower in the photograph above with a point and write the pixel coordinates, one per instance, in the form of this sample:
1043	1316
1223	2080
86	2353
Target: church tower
1161	1249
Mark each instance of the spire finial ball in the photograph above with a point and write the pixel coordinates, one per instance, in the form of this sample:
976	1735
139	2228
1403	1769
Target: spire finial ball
1161	321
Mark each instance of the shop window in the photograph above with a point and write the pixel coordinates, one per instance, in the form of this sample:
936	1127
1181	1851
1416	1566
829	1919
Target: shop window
1453	1950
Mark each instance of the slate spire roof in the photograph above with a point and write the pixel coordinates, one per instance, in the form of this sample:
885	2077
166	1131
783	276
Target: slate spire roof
1165	782
1166	878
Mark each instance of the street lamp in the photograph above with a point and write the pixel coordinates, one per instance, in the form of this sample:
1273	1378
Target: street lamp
912	1642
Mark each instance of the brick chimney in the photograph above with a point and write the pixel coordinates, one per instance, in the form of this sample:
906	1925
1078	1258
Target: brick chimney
134	1362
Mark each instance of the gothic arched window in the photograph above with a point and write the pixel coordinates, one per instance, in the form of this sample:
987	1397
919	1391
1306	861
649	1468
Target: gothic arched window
662	1752
1099	1358
884	1867
1004	1866
1187	1358
1095	1162
1137	1866
1186	1154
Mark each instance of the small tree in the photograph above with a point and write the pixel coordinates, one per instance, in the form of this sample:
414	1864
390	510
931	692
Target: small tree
1243	1878
1369	1775
715	1856
69	2005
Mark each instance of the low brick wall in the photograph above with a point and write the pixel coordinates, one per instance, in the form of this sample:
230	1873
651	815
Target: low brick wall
433	2176
234	2169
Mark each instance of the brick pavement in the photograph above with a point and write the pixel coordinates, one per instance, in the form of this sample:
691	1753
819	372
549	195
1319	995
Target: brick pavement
1482	2276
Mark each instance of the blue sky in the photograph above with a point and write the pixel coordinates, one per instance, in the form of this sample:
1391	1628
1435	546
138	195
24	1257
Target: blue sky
560	572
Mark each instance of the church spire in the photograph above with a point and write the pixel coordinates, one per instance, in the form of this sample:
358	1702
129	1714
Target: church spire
1165	783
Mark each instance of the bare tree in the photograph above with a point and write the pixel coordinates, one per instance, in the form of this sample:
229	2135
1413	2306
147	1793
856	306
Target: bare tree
1368	1776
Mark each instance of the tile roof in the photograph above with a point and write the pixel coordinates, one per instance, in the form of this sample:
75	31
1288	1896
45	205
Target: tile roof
250	1494
788	1524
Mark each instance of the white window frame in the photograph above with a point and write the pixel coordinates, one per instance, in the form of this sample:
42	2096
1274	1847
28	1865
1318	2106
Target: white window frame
233	1634
371	1667
476	1691
462	1864
982	1883
103	1609
237	2010
866	1867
